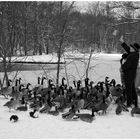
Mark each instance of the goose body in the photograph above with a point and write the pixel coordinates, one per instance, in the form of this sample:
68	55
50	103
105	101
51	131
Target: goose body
55	112
9	102
45	109
80	104
116	91
33	114
135	111
39	87
17	94
86	117
121	107
17	84
69	115
36	105
25	90
23	108
101	106
14	118
14	104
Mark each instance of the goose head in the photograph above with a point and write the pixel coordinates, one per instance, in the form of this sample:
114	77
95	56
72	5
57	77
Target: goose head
9	82
38	80
74	82
19	80
63	79
106	79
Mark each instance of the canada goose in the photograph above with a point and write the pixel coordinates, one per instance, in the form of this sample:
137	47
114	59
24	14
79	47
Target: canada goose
101	106
86	82
16	87
106	79
63	79
93	92
86	117
33	114
25	90
19	80
17	84
121	107
22	108
78	91
13	93
101	91
49	82
68	115
74	83
6	91
122	98
17	94
9	102
47	107
116	91
14	104
42	84
79	103
107	92
37	103
113	82
59	99
55	112
38	88
14	118
135	111
62	102
44	91
22	100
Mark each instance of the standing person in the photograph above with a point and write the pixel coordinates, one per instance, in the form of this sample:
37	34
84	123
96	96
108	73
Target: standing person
129	69
122	61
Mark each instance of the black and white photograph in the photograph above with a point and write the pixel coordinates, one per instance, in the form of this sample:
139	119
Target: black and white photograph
69	69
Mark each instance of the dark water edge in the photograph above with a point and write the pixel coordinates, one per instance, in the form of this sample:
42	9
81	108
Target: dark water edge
29	66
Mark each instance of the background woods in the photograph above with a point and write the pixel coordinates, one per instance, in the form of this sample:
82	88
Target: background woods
29	28
35	27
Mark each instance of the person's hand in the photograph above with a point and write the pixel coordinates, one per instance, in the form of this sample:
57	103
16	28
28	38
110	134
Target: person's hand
121	39
115	32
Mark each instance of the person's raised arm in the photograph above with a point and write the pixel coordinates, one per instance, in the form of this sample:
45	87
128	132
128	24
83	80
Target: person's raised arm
124	45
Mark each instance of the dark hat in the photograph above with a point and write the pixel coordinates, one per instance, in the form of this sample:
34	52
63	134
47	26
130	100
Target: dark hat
136	46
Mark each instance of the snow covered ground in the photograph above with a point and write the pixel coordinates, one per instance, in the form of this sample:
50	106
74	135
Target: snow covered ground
47	126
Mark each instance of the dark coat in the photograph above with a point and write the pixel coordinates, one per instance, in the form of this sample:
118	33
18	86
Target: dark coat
131	62
130	66
129	69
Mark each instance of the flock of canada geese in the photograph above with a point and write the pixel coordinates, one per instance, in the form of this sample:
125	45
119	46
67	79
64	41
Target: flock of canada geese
69	101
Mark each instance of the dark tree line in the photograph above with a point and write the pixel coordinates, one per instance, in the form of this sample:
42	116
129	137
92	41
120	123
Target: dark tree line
36	27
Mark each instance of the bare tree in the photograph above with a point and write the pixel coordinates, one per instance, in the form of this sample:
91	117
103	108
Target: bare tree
60	36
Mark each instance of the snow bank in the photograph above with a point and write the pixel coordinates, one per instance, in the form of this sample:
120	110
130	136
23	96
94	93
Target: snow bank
36	58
